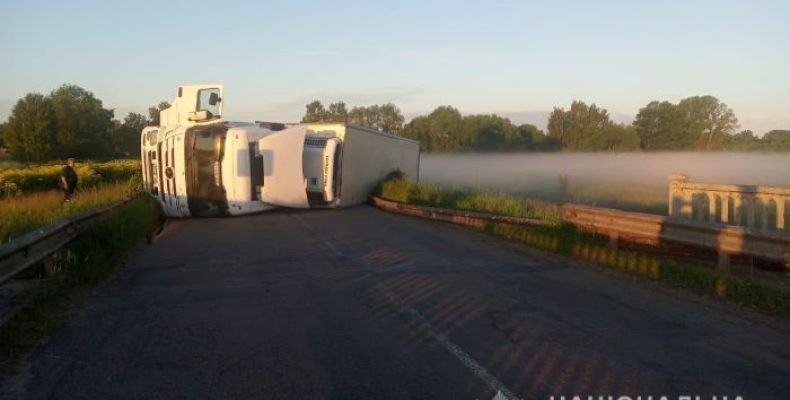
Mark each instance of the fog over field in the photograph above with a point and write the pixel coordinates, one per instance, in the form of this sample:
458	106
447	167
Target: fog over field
636	181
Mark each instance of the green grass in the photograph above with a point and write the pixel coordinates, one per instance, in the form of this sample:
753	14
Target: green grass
424	194
23	214
567	240
36	178
80	266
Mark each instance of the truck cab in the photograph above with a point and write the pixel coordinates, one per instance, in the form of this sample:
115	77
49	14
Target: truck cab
197	164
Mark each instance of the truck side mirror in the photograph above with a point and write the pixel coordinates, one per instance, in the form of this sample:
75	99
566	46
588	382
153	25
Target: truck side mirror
198	116
213	98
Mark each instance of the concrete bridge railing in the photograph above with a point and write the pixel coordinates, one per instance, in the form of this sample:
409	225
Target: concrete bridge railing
750	206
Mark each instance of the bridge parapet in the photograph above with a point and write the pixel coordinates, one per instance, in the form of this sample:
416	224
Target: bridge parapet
751	206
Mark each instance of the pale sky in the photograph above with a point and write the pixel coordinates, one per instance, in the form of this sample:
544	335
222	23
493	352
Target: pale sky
517	58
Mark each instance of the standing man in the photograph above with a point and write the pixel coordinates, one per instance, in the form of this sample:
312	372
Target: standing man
68	179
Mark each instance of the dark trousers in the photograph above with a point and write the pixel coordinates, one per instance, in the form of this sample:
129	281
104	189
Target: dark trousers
67	193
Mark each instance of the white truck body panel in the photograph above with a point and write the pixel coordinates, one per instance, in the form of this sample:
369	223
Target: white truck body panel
368	157
283	176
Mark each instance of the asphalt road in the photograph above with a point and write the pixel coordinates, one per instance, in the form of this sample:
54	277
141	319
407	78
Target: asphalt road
360	304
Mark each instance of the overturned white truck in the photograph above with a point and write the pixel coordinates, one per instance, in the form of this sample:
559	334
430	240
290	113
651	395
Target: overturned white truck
196	164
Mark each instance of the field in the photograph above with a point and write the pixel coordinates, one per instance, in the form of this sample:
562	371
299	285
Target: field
23	180
626	181
30	198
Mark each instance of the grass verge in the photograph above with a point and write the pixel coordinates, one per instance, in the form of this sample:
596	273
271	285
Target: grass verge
567	240
424	194
26	180
77	268
23	214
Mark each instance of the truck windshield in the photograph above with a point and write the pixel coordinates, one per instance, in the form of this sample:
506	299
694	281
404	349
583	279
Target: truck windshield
205	151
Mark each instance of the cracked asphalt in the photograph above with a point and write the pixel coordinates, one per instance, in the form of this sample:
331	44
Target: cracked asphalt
361	304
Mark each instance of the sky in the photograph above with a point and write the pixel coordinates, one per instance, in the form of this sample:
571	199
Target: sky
519	59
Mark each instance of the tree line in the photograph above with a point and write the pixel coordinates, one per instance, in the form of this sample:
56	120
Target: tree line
72	122
694	123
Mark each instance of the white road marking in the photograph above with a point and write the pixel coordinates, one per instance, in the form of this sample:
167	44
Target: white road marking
333	248
502	391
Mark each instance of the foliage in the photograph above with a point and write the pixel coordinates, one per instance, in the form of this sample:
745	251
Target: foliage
385	117
78	267
446	130
589	128
26	180
695	123
124	137
83	123
69	122
777	140
153	112
707	120
315	112
31	130
2	142
23	214
404	191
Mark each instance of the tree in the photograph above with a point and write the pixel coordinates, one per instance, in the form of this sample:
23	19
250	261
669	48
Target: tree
707	119
365	116
445	129
314	112
660	126
441	130
777	140
698	123
390	118
589	128
153	113
31	130
337	112
82	122
125	136
419	129
2	143
385	117
486	132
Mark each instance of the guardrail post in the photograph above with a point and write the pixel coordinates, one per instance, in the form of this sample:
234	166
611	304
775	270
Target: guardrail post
780	213
725	208
675	188
751	205
712	207
764	220
737	208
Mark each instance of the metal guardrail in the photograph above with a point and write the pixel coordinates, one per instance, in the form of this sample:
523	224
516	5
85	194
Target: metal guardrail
726	240
25	251
618	225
